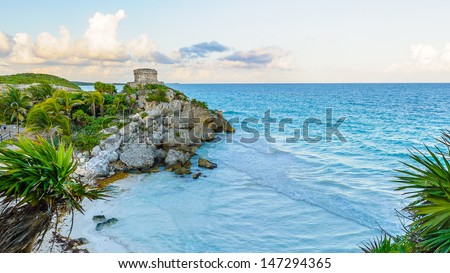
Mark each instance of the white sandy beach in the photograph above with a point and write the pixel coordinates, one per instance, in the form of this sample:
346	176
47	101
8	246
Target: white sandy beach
84	226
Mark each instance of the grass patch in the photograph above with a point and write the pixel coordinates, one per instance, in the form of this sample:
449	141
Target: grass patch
158	95
30	78
199	103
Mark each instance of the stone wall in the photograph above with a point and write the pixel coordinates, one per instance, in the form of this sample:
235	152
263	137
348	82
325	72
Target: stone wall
143	76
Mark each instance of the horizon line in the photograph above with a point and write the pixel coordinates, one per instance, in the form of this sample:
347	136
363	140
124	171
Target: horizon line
119	83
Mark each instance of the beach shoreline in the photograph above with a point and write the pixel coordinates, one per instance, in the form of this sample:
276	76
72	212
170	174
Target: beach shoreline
84	226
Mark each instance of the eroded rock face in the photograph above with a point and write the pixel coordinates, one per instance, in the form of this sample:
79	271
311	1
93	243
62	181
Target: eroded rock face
160	134
138	156
95	167
174	156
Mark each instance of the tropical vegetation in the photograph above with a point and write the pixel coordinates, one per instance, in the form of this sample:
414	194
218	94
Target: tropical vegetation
37	186
14	105
426	182
30	78
37	183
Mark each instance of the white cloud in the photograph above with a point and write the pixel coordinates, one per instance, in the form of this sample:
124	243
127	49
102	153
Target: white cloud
425	58
267	57
99	55
50	47
100	39
23	50
142	48
6	43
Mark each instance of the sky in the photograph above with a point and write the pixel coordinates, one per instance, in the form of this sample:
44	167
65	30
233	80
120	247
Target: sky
283	41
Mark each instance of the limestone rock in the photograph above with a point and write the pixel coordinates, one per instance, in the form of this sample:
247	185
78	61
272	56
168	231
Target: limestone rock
175	156
109	155
96	150
206	164
138	156
97	167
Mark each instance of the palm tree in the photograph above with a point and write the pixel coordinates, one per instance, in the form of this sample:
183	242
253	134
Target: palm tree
37	184
47	122
65	99
41	92
93	99
15	104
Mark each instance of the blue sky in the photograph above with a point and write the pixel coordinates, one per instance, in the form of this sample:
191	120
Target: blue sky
229	41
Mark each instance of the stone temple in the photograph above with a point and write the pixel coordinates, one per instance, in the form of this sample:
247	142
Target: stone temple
143	76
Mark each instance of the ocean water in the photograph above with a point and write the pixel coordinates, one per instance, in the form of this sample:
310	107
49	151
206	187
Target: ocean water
273	196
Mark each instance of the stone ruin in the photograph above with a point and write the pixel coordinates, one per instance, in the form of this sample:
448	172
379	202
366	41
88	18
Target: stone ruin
143	76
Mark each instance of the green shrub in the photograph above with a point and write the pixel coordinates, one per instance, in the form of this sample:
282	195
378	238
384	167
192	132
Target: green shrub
153	87
109	99
179	95
127	89
41	92
86	142
111	109
158	95
106	88
199	103
81	118
390	244
89	136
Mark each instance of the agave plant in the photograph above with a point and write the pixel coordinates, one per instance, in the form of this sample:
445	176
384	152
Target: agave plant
37	184
427	183
383	244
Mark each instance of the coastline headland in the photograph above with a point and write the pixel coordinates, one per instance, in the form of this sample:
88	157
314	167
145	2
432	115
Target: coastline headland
165	130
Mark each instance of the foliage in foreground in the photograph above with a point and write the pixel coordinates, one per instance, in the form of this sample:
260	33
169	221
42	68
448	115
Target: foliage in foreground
427	183
36	184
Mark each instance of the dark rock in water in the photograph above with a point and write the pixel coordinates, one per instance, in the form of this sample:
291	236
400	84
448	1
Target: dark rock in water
111	221
83	241
99	218
217	139
107	223
182	170
206	164
196	175
99	226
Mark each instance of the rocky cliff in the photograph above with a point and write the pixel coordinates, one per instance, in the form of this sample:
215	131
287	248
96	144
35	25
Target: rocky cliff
165	133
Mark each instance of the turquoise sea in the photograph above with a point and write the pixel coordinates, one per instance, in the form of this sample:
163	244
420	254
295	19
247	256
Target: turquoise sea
274	196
